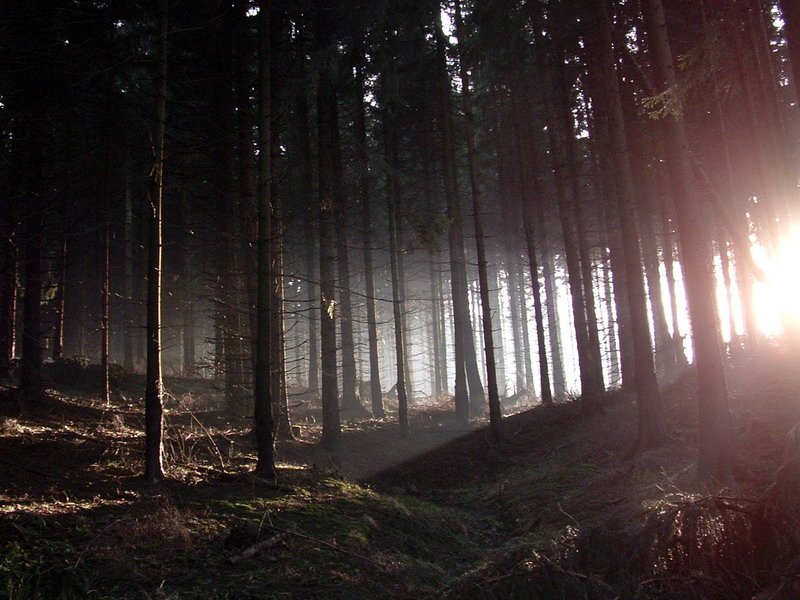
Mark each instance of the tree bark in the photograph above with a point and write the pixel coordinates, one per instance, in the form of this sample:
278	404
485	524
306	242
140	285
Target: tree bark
153	471
462	334
551	301
59	300
591	388
326	131
8	287
127	301
652	429
715	448
480	243
264	424
528	180
376	394
392	193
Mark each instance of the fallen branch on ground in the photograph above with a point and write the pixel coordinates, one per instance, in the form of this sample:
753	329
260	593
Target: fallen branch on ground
250	552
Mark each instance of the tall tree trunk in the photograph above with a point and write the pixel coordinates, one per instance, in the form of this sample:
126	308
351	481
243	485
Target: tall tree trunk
516	326
440	299
351	405
722	247
246	225
8	287
127	300
462	335
227	249
392	193
310	255
644	183
105	385
551	301
715	435
497	326
278	231
187	295
401	272
668	248
31	360
615	375
591	388
528	226
59	300
327	124
264	424
153	469
527	357
376	395
587	277
436	340
566	127
651	421
480	243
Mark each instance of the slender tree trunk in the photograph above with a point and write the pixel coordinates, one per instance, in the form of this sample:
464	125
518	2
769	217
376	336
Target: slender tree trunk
590	387
247	226
227	250
551	301
651	421
528	225
480	242
497	326
669	268
516	326
327	124
615	375
59	300
8	288
716	452
127	300
264	425
105	389
392	193
351	405
31	335
310	255
187	300
566	127
278	230
644	183
376	395
436	340
462	334
440	299
527	357
722	247
153	470
401	271
587	277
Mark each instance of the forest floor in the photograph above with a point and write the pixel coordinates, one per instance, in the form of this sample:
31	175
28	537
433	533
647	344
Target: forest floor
563	508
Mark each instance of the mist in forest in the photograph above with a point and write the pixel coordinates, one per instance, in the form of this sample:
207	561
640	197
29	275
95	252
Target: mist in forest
285	240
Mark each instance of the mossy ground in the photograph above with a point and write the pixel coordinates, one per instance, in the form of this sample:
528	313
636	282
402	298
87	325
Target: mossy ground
556	509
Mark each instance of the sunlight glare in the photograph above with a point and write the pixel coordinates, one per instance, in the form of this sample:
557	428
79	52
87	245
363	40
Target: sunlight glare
776	301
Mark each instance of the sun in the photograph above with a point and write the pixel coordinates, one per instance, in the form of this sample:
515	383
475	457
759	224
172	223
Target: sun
777	300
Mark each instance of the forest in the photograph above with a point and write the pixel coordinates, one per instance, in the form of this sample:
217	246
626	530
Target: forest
400	299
